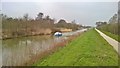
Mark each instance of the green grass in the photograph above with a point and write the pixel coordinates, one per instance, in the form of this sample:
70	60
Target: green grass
89	49
116	37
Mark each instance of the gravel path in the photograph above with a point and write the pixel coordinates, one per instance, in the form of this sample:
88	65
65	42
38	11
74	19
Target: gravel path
111	41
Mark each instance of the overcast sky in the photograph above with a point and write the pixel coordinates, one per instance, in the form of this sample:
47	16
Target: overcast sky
85	13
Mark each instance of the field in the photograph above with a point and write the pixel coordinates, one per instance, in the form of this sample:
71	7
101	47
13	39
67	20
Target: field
89	49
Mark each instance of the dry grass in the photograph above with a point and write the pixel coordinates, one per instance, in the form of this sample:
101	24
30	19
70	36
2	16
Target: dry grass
51	50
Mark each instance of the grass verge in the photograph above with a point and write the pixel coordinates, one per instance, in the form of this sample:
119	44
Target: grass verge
89	49
116	37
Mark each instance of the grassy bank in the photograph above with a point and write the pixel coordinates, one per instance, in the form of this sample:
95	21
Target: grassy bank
116	37
89	49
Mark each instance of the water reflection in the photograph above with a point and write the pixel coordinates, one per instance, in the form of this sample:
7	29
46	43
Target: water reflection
19	50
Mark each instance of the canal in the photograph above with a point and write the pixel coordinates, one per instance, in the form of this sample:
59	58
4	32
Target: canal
19	51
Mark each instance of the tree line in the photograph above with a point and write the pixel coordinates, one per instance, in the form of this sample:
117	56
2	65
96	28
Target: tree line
14	27
111	26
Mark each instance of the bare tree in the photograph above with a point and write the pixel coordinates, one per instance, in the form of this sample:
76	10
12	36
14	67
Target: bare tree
47	17
25	17
73	21
62	21
39	16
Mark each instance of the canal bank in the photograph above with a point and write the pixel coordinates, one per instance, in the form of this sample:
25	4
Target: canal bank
6	34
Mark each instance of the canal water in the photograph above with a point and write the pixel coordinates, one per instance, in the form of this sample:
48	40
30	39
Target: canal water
17	51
